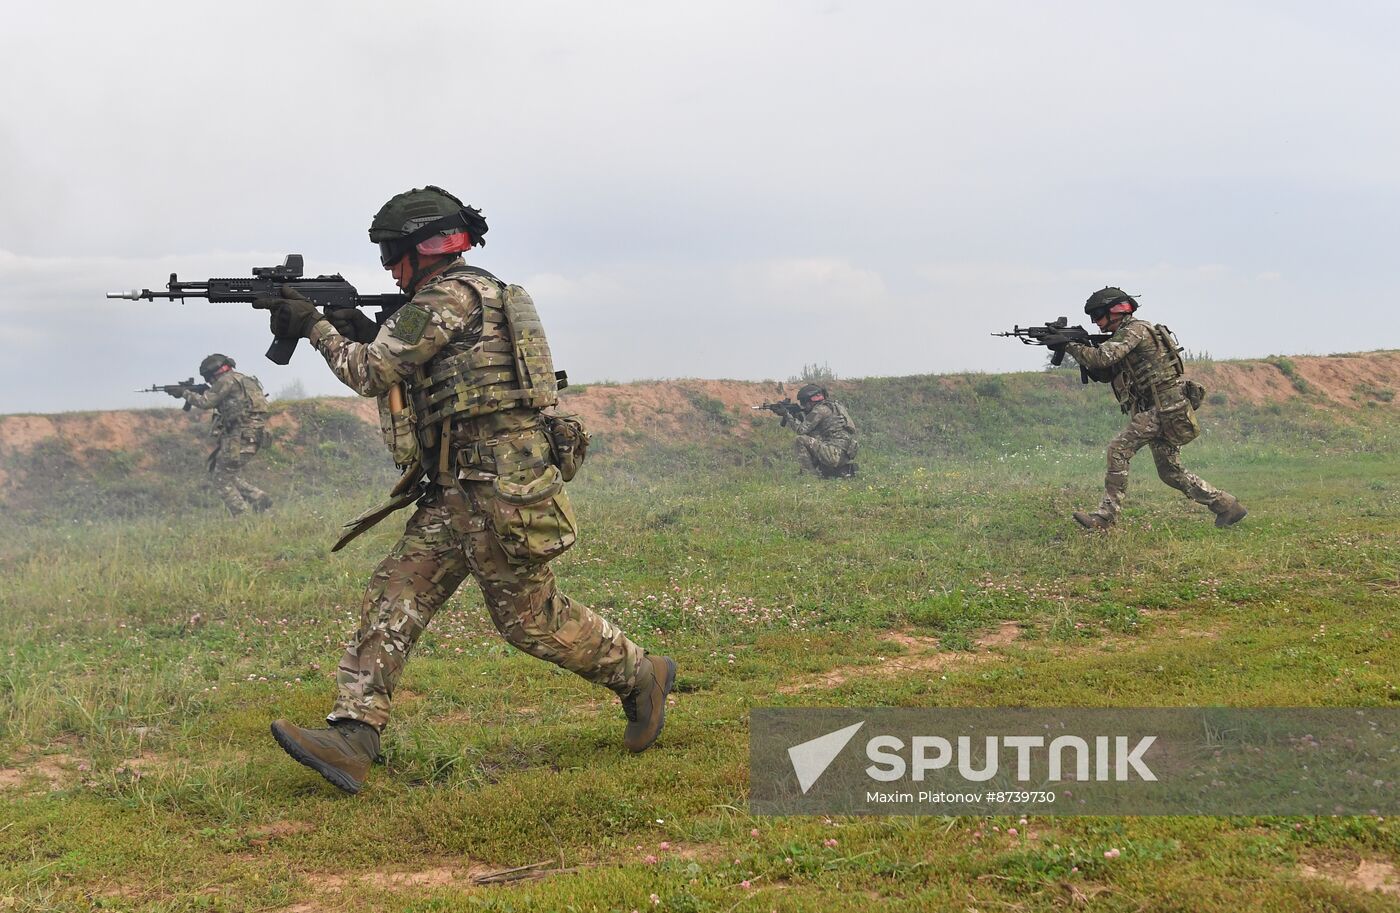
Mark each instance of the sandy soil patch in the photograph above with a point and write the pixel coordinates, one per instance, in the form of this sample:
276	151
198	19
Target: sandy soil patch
922	655
275	830
1366	875
50	772
435	876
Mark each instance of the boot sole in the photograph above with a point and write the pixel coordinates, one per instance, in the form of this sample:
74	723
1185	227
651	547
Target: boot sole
333	775
665	692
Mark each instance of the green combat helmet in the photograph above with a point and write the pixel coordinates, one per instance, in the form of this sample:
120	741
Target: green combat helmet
427	221
1106	298
809	393
212	363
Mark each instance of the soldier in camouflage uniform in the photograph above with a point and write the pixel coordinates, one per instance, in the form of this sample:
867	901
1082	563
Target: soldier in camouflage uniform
462	372
238	429
826	436
1144	365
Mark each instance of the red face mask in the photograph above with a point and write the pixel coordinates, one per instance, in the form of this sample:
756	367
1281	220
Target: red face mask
455	243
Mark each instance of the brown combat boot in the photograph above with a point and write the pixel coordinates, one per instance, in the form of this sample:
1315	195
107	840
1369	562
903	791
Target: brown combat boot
645	705
1094	520
1232	513
342	754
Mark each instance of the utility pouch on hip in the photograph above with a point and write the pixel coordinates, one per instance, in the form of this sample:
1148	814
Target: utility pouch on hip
1195	393
569	441
1177	424
531	515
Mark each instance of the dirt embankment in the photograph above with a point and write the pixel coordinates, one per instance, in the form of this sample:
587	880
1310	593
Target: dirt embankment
669	412
1346	380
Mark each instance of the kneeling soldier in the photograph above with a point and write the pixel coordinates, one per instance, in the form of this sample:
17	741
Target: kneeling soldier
826	435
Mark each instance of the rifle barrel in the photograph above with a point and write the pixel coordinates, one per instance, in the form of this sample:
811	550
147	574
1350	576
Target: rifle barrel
146	294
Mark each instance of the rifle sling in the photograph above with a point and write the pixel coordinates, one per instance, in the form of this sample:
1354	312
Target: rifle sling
408	489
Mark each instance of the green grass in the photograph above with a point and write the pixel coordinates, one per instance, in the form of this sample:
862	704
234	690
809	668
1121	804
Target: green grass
138	773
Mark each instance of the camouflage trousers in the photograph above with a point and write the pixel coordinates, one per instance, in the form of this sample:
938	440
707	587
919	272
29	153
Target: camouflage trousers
228	461
1145	430
448	538
823	458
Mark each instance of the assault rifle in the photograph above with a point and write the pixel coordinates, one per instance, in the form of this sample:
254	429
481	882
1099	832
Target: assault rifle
786	408
1056	334
177	389
329	293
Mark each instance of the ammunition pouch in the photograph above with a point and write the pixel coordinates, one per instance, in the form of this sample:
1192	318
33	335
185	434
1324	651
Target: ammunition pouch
249	440
568	439
400	432
504	453
531	515
1177	424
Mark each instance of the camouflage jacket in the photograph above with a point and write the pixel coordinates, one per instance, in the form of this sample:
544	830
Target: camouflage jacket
828	422
1142	362
443	319
439	313
238	402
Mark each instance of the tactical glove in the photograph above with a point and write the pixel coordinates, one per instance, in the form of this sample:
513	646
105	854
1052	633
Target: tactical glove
292	314
177	392
353	324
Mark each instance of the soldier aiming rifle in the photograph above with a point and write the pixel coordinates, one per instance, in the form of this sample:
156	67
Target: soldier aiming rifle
826	435
177	390
1143	363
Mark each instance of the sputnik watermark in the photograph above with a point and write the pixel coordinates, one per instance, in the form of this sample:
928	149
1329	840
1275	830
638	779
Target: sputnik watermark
1075	761
1109	763
1117	758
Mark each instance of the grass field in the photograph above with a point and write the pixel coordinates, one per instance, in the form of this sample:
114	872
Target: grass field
143	658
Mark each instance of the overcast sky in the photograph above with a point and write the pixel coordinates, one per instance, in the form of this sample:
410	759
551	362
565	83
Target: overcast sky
702	189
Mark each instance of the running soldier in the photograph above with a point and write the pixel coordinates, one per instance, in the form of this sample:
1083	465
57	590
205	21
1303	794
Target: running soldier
1143	363
239	428
461	372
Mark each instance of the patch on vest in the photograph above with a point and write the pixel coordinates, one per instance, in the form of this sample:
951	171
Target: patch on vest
409	323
